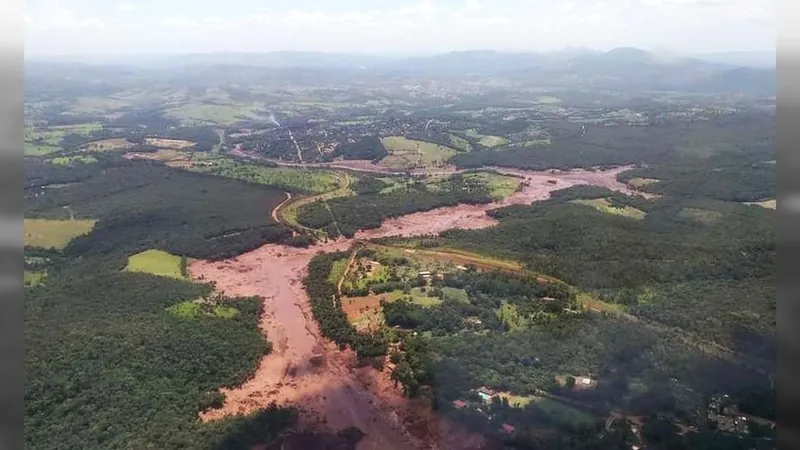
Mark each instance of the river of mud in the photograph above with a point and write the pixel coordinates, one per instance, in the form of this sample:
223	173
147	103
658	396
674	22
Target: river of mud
308	371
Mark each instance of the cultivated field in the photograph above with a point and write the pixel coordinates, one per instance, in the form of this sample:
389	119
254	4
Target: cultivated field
407	153
55	234
156	262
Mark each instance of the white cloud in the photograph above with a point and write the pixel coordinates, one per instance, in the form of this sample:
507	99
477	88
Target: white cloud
426	26
179	22
127	7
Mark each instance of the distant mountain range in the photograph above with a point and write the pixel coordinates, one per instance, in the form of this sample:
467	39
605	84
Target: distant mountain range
621	68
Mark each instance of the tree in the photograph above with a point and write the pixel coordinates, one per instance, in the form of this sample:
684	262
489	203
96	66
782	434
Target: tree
570	381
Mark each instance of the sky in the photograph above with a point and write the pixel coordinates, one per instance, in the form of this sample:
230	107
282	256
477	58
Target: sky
114	27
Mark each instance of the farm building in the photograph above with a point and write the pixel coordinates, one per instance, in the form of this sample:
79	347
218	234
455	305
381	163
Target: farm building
459	404
486	394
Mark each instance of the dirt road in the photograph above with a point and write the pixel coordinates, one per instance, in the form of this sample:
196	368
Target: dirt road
275	209
309	371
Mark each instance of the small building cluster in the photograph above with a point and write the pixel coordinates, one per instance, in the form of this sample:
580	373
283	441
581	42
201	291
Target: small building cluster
723	412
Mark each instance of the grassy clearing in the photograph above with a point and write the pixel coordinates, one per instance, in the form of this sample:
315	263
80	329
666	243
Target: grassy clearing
30	149
448	255
297	180
164	154
97	105
562	412
45	140
508	314
33	278
460	143
55	234
407	153
416	296
639	182
500	186
196	309
603	205
214	114
518	401
769	204
455	295
705	216
53	135
108	144
156	262
177	144
72	160
487	140
337	271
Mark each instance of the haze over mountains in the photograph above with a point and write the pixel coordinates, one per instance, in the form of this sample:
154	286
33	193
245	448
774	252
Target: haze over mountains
625	67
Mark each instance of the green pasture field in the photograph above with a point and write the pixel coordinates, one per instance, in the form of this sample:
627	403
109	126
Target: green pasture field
487	140
55	234
297	180
407	153
603	205
500	186
156	262
194	309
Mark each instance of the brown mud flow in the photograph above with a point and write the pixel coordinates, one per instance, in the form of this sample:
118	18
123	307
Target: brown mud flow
308	371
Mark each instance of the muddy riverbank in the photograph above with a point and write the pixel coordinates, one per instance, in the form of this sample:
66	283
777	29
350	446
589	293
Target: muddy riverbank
308	371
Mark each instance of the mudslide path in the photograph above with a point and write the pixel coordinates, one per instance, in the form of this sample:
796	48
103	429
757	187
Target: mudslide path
310	372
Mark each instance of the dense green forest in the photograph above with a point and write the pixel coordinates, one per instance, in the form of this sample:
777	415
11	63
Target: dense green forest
109	366
192	214
721	158
679	239
110	362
